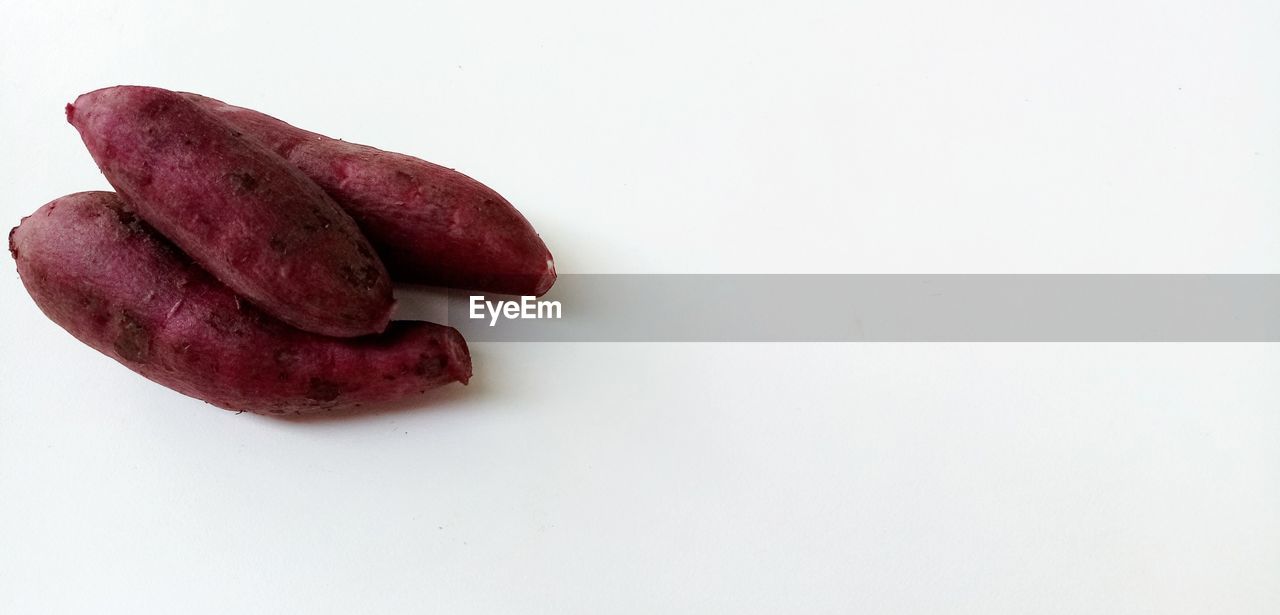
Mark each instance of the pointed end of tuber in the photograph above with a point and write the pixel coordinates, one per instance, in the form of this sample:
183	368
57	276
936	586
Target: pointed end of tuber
459	357
548	278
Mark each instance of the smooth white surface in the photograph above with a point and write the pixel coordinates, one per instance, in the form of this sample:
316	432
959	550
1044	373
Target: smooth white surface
695	137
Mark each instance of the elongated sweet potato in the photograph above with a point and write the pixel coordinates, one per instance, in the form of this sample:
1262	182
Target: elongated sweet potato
430	224
111	281
237	208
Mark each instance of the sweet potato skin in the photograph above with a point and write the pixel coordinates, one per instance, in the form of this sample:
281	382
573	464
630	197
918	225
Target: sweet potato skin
237	208
431	224
115	284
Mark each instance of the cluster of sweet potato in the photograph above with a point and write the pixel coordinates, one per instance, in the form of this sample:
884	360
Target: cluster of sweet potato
249	263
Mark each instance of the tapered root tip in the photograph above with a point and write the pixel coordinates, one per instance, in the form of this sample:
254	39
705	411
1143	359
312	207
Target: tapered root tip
548	278
459	357
13	246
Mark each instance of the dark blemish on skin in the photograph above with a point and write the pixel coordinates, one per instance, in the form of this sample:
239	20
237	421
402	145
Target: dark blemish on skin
429	365
242	182
133	343
277	411
86	301
278	244
137	228
365	277
320	389
130	222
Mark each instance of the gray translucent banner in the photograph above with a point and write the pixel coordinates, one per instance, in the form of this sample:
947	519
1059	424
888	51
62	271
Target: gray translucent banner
884	308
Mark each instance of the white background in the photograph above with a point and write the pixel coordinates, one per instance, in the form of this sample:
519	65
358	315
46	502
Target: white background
845	137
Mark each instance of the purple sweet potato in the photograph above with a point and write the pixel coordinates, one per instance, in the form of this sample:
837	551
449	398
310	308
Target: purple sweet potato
240	210
110	280
430	224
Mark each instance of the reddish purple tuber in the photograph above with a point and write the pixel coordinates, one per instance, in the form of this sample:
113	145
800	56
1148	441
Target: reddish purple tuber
431	225
110	280
237	208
